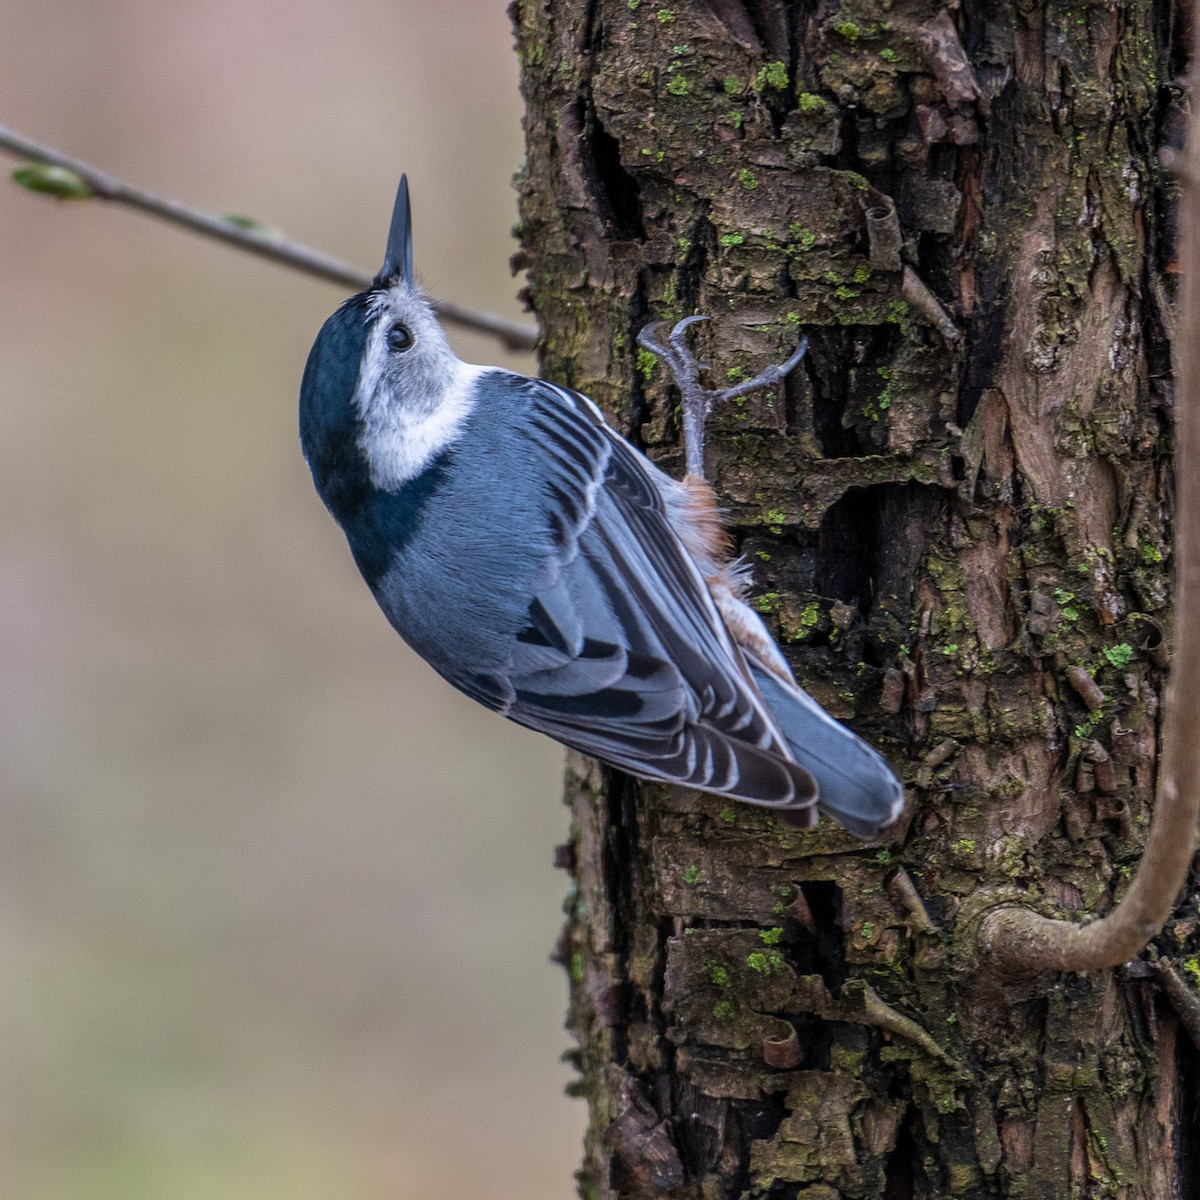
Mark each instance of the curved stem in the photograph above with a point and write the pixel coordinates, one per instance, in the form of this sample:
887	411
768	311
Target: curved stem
250	236
1022	941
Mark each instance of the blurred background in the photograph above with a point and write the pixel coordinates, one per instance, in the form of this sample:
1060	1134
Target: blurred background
275	903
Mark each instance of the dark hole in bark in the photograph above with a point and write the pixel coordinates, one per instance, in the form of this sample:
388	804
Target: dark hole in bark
741	1122
702	1127
815	950
1168	134
761	1118
849	380
617	191
813	1036
830	391
846	157
1169	115
871	541
1189	1117
937	267
984	334
785	1191
900	1174
1018	491
770	20
754	1120
849	548
824	951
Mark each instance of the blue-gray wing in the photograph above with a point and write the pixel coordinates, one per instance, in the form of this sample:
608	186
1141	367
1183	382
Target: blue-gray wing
624	655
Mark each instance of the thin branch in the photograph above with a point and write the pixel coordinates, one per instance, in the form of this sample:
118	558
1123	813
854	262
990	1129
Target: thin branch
1181	997
1022	941
89	181
860	1004
904	892
916	291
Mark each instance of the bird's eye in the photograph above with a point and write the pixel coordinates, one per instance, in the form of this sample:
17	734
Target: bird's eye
399	338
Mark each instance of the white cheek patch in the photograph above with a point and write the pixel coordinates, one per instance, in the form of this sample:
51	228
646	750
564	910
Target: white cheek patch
399	442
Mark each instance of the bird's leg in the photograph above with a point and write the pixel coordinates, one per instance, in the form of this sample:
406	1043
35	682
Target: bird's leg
698	401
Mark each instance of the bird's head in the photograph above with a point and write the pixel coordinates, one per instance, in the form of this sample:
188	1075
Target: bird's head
381	365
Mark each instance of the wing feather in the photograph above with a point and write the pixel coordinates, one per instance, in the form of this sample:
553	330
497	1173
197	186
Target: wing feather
625	655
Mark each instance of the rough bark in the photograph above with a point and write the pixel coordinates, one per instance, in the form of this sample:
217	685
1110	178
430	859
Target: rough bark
957	515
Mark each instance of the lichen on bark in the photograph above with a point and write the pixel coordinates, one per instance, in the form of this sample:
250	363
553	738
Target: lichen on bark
958	505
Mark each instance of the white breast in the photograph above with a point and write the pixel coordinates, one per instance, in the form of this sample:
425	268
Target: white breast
400	442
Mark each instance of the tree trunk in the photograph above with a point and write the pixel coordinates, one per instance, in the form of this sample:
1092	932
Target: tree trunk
957	516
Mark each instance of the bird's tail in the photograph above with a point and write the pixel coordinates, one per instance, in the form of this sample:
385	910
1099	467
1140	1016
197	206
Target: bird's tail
857	787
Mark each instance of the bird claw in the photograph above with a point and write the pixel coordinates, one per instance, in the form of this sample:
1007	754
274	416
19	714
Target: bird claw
674	352
646	338
677	339
772	376
698	401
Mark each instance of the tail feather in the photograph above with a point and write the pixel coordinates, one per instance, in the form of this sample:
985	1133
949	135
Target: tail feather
855	784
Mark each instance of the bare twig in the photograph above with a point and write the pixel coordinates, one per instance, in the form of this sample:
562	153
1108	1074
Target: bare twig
1182	999
1022	941
80	180
860	1004
916	291
904	892
1088	689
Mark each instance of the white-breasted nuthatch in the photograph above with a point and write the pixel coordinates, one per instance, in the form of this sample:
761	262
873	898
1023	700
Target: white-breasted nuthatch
545	567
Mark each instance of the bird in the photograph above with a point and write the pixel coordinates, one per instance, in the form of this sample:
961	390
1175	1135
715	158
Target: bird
542	565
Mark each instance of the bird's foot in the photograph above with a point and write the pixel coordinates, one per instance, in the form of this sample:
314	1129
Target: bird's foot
698	401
